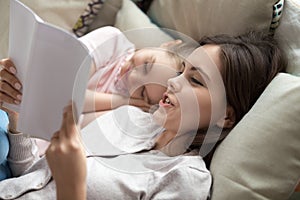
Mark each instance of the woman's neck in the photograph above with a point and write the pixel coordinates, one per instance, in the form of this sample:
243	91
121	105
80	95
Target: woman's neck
164	139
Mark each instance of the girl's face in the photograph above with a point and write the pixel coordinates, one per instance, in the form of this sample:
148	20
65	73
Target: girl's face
150	71
195	98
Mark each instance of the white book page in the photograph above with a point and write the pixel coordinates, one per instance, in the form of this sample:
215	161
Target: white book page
21	33
57	72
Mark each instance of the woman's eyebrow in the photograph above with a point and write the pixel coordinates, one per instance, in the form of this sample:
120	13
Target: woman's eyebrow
200	71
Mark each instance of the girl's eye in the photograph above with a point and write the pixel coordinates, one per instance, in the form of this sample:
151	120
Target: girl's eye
194	80
147	67
143	92
145	70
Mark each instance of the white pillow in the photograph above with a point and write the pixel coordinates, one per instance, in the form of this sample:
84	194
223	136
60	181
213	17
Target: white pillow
62	13
288	34
260	158
198	18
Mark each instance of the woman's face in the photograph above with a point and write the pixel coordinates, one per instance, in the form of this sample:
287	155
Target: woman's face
195	98
150	71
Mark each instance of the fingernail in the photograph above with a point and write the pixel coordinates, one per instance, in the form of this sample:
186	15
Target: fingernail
19	97
17	86
13	70
65	109
17	102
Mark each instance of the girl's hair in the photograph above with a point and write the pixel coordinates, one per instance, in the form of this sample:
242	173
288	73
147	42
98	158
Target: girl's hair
180	51
250	61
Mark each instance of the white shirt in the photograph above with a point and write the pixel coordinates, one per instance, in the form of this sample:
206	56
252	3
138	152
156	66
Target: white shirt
123	174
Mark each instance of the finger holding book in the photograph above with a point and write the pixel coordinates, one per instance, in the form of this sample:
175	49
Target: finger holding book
10	86
66	150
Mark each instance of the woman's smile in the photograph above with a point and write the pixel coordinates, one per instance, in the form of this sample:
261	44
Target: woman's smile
166	101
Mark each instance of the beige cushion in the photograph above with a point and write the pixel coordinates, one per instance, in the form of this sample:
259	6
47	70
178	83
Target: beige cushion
288	34
197	18
260	158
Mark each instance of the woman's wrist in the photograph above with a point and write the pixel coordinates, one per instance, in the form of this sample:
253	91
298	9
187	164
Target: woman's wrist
74	192
13	131
12	125
13	120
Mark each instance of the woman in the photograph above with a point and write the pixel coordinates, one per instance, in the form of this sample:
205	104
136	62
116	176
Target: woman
237	69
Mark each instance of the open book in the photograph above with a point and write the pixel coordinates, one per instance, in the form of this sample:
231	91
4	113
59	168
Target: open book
53	67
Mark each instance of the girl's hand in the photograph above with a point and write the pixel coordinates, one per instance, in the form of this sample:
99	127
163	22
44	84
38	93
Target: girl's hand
10	92
118	100
144	105
67	160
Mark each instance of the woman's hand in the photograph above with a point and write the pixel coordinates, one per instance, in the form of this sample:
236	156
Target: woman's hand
10	86
67	160
10	90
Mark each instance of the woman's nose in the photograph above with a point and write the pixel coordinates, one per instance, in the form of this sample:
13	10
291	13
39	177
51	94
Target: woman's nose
175	84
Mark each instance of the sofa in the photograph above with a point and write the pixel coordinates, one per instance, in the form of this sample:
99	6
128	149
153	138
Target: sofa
260	158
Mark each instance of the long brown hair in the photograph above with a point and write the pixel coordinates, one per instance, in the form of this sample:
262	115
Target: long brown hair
249	62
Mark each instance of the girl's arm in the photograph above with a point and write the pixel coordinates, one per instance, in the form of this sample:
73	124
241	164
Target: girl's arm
97	101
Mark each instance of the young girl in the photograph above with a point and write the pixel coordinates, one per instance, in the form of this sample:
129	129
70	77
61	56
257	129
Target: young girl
119	71
234	69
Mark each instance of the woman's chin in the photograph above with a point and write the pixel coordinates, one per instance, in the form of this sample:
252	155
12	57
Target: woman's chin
160	116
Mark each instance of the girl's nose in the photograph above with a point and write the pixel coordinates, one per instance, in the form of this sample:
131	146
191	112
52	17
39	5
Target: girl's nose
175	84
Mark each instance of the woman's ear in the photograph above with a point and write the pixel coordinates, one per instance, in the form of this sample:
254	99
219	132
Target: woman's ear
170	43
229	120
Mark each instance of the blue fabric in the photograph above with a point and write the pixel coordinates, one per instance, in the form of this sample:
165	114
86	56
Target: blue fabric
4	146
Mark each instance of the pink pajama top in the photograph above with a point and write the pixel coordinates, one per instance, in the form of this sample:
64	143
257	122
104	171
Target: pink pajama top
110	50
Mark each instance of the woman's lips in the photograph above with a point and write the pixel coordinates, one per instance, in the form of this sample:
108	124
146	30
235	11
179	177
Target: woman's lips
166	101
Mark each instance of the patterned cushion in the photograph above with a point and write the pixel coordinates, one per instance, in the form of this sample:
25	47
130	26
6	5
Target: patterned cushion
89	14
277	13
